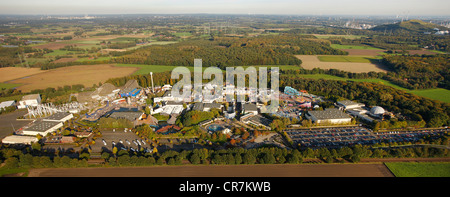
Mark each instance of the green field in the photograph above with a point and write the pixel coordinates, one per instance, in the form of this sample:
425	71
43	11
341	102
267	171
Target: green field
420	169
8	85
342	58
437	94
340	46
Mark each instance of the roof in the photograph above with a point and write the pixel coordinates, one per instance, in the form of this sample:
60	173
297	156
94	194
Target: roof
329	113
31	97
42	126
104	90
198	107
7	104
19	139
347	102
130	86
127	115
250	107
212	105
58	116
377	110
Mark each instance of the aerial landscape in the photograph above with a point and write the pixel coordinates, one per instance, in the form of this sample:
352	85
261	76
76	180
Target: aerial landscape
95	94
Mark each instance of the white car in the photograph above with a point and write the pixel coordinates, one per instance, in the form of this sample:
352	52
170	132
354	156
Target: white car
104	142
121	141
138	142
128	142
113	143
143	142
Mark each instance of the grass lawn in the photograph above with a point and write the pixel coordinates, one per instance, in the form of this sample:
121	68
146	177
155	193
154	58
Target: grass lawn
342	58
340	46
437	94
425	169
8	85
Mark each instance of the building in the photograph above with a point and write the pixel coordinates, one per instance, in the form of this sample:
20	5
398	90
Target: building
19	139
129	115
6	104
209	106
42	128
329	115
347	104
59	117
250	108
257	120
29	100
377	111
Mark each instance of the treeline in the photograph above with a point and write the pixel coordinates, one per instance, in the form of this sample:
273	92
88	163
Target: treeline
411	107
419	72
226	51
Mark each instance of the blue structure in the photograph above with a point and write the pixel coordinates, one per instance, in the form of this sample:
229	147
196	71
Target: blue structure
291	91
134	92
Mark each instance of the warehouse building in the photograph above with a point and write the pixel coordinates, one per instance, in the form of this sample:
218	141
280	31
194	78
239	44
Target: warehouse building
59	117
329	115
347	104
42	128
19	139
29	100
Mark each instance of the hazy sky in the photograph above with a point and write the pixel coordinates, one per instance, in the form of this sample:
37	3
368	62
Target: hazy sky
297	7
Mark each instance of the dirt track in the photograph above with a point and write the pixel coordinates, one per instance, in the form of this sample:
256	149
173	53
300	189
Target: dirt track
285	170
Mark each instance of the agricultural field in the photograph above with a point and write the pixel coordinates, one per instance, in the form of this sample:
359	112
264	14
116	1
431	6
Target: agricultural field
342	58
326	36
425	169
83	74
352	64
10	73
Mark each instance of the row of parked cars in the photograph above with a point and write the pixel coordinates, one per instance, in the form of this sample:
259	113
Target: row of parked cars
335	137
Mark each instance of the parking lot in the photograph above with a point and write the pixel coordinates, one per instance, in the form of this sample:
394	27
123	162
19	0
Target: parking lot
122	140
344	136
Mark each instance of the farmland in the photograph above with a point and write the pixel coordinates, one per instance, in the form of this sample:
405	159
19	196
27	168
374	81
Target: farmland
355	65
423	169
83	74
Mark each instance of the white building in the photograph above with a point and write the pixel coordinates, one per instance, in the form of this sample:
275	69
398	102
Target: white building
19	139
29	100
347	104
6	104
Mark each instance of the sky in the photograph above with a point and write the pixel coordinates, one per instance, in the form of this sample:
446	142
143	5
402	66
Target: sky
284	7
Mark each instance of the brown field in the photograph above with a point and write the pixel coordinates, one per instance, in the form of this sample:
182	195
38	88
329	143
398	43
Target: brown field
84	74
10	73
284	170
311	61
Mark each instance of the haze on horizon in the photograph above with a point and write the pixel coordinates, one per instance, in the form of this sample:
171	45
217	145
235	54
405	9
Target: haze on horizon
284	7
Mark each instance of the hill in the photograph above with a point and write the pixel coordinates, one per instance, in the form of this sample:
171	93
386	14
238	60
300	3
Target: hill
411	26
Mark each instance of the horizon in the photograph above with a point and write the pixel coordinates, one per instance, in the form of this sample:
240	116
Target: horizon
233	7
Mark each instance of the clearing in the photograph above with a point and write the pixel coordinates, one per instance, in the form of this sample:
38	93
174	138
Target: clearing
312	61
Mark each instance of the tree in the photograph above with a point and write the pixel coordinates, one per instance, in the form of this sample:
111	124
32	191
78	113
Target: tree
11	163
195	159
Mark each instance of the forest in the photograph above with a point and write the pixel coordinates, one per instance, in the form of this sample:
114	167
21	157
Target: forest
230	51
419	72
